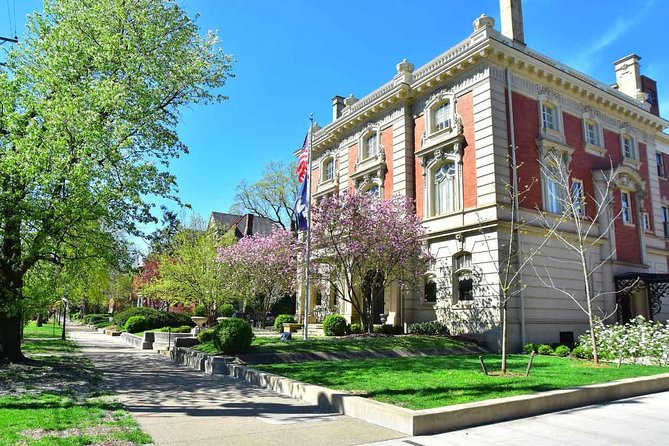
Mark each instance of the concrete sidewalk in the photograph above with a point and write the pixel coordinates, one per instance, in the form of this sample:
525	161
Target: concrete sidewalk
178	406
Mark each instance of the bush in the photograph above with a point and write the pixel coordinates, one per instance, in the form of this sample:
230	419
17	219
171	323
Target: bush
182	329
226	310
205	336
355	328
431	328
154	318
387	329
232	336
334	325
545	349
282	319
580	352
200	310
93	318
529	348
135	324
562	351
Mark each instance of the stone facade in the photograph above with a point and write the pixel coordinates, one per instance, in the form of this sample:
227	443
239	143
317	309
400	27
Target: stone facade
453	119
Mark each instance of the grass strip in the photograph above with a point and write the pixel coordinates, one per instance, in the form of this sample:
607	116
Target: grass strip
428	382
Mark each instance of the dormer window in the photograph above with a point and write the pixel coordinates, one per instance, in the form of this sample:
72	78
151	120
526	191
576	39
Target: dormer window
549	119
371	146
442	116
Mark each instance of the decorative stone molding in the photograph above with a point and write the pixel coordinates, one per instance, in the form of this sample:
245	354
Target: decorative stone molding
483	22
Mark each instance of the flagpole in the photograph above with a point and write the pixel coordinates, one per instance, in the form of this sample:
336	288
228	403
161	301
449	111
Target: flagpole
308	254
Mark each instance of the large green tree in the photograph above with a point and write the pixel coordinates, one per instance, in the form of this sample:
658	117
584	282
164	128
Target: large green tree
89	105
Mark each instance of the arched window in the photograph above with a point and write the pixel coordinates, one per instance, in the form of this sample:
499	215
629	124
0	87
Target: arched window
463	277
444	189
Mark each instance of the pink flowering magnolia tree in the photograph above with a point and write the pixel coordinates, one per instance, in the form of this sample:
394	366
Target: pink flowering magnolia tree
264	268
362	245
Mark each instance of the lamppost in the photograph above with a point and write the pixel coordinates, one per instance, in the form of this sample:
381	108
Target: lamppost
65	304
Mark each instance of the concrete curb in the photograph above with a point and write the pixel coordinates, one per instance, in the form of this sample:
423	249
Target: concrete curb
460	416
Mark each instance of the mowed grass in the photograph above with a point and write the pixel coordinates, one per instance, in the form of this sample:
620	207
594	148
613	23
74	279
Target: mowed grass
427	382
344	344
57	399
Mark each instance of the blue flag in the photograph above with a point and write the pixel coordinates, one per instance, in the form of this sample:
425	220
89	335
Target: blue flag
301	206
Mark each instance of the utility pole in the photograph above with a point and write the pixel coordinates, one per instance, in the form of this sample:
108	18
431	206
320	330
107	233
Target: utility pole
4	40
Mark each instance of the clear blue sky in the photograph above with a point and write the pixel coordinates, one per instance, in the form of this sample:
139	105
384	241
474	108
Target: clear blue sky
293	56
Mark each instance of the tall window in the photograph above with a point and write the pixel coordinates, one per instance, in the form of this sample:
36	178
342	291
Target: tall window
659	158
665	220
371	146
442	116
578	197
328	170
592	133
444	189
626	207
645	220
628	147
430	291
463	278
549	116
553	190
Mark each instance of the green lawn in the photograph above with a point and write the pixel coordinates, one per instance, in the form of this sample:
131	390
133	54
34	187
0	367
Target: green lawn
45	331
44	339
58	400
343	344
427	382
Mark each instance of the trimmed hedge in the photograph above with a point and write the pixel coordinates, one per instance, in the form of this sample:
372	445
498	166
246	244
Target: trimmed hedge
154	318
94	318
335	325
226	310
232	336
205	336
562	351
135	324
545	349
431	328
356	328
529	348
282	319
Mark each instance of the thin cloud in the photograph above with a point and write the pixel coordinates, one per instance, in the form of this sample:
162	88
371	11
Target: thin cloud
584	60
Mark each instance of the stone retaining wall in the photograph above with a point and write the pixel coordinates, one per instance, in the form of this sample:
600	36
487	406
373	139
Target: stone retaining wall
137	341
211	365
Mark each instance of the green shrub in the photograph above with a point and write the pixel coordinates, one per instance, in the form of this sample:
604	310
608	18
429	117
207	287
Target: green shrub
93	318
334	325
432	328
76	316
282	319
545	349
154	318
355	328
200	310
103	324
226	310
182	329
387	329
135	324
580	352
562	351
205	336
232	336
529	348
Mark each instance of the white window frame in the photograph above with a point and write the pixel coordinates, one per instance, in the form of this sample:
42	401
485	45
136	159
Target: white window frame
460	270
578	202
593	135
328	174
556	132
363	144
432	105
626	207
453	200
632	154
446	120
661	168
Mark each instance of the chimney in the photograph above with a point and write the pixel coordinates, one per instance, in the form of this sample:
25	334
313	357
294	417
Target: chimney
628	76
337	107
649	86
511	13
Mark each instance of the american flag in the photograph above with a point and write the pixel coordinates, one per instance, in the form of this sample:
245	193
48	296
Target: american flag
303	159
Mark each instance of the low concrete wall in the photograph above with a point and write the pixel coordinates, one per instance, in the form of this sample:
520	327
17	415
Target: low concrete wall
212	365
138	342
443	419
162	339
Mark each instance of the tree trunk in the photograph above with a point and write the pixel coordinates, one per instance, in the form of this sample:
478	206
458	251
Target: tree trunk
40	320
10	339
504	335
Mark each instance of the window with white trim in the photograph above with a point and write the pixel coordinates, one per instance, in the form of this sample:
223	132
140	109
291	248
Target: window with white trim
371	146
445	189
659	159
665	220
549	116
442	116
578	197
554	187
328	169
592	133
463	278
430	291
628	147
626	207
645	221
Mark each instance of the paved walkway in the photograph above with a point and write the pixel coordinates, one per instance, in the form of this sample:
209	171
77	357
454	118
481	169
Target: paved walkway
635	421
178	406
